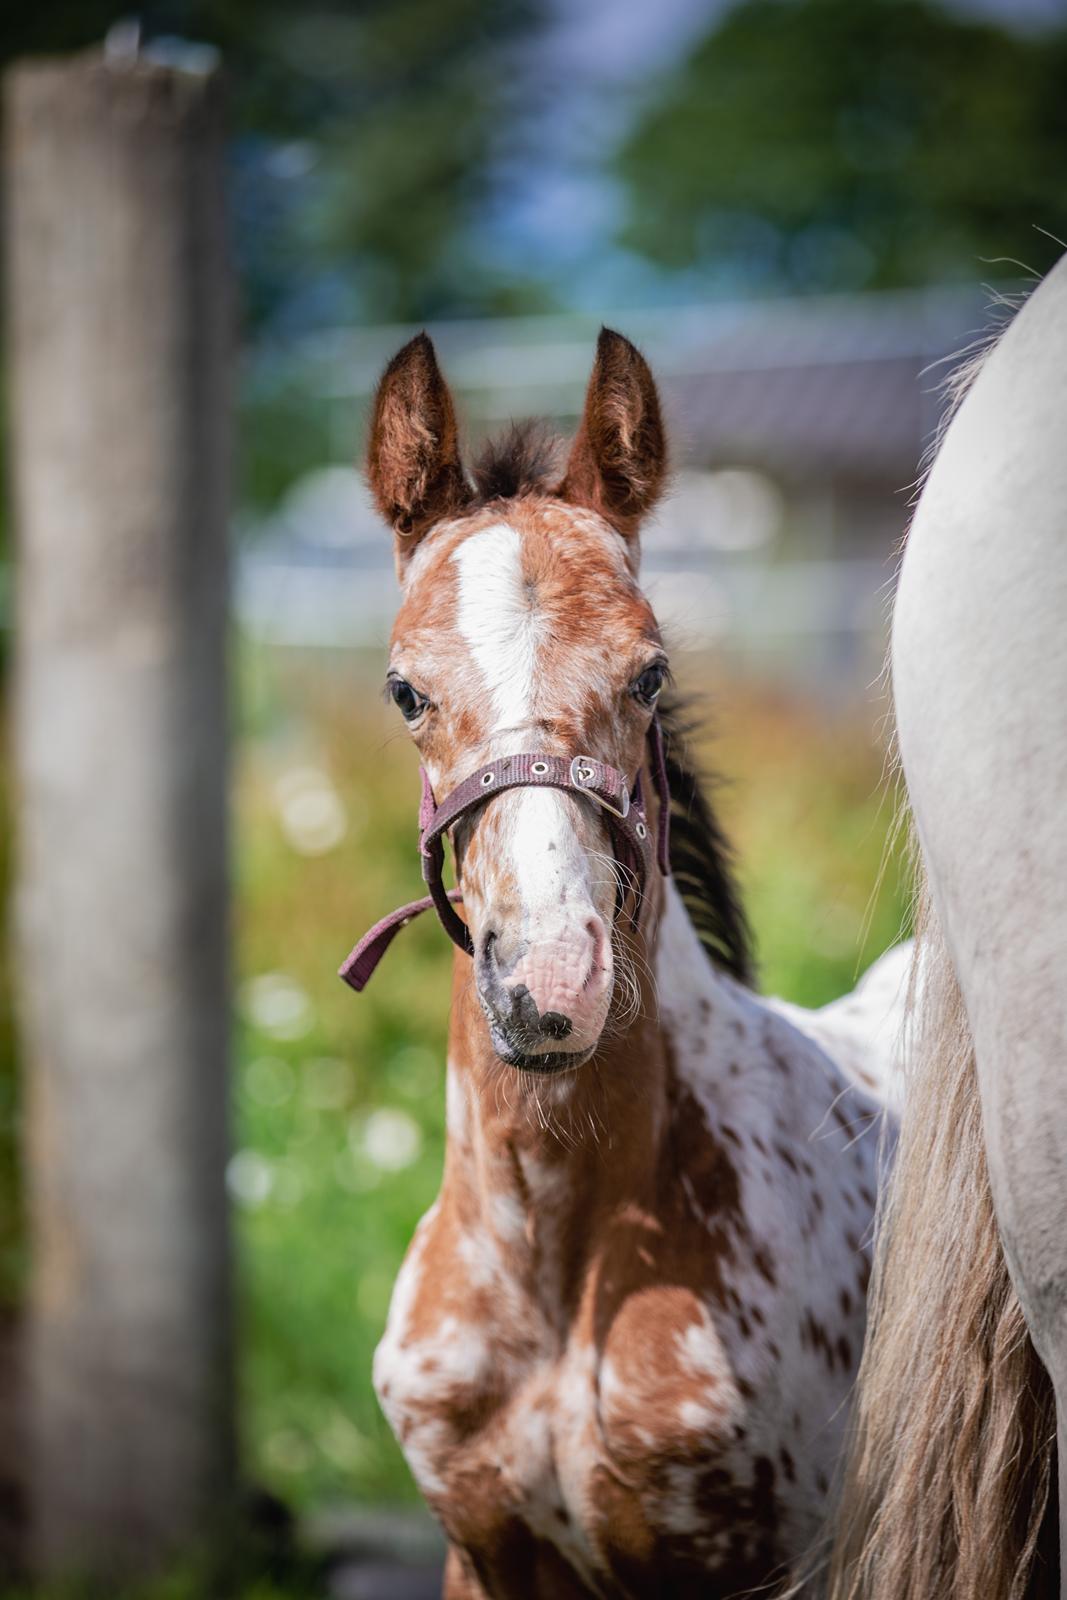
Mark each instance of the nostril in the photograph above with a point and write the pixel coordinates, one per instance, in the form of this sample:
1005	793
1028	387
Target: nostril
488	952
555	1025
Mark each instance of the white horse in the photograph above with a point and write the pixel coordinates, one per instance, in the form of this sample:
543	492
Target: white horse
949	1488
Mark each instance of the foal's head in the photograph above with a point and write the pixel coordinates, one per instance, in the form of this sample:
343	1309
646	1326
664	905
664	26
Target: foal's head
522	629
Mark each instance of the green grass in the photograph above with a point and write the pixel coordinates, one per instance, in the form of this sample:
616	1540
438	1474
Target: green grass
325	1223
804	803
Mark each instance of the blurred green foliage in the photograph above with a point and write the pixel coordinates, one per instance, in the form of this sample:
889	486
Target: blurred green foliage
283	432
363	135
340	1099
384	150
828	144
324	1223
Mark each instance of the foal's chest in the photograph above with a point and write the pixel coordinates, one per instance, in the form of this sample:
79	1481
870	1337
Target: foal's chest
618	1454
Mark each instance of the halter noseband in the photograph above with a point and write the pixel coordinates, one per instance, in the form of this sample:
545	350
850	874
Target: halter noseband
621	801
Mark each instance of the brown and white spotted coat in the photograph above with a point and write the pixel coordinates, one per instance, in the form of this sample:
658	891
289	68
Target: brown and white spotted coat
620	1349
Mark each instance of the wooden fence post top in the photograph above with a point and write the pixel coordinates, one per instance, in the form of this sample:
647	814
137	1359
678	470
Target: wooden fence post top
130	93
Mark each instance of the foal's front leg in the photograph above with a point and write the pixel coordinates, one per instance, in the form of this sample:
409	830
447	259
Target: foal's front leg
460	1582
544	1576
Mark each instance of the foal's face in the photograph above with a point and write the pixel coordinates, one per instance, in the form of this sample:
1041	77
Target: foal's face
522	628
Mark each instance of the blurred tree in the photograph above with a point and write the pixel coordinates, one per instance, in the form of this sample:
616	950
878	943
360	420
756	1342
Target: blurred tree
825	144
365	141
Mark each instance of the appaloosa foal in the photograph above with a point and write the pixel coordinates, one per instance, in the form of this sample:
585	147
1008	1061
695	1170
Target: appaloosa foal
620	1349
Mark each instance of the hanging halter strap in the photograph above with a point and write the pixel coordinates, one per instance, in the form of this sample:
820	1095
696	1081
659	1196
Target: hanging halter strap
621	802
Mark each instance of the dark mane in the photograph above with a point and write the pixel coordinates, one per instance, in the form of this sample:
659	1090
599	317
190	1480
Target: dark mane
701	858
524	460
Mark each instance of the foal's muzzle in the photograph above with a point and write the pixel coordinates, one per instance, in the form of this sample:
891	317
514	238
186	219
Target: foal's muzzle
546	1005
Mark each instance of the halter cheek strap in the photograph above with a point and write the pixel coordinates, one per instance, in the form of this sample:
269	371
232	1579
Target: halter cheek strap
622	804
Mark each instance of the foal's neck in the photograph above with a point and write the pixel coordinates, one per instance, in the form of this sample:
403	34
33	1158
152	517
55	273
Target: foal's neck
534	1165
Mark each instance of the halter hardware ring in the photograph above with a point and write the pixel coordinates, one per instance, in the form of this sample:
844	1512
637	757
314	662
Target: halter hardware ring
539	768
487	779
583	771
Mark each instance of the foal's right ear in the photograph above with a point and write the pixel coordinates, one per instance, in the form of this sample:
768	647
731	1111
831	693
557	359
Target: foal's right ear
413	463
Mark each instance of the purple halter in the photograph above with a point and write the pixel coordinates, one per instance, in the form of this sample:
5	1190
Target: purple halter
621	801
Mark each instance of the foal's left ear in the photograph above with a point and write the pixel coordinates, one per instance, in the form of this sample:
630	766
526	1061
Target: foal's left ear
618	461
413	462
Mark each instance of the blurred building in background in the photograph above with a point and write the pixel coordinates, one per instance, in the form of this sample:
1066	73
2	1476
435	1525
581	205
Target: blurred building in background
798	427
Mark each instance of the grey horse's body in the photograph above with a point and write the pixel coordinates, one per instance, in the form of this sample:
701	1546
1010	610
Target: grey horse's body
980	685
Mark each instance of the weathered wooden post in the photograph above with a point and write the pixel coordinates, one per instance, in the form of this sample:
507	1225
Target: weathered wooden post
119	338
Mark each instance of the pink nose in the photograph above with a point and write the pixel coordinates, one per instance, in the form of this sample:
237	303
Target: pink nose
558	988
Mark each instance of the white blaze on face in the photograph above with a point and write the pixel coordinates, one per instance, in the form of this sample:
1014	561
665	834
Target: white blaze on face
497	616
499	620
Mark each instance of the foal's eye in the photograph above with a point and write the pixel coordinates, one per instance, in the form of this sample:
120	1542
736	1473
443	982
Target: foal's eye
409	701
647	687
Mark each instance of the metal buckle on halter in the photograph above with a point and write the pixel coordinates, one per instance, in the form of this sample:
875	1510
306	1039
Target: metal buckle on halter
583	771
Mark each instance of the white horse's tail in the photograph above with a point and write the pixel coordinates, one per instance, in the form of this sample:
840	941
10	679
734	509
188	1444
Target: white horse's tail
952	1448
